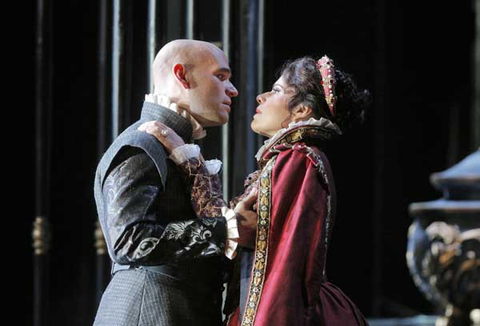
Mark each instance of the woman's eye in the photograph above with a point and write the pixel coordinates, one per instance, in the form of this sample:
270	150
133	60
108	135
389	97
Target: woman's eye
221	77
275	90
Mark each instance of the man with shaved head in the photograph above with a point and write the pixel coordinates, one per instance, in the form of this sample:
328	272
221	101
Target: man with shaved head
169	265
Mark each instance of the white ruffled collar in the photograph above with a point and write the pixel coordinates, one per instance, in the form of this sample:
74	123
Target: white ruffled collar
322	122
163	100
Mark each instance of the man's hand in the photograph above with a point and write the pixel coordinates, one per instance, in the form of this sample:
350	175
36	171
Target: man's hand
247	220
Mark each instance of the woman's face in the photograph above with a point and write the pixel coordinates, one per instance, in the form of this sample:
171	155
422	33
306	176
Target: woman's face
272	114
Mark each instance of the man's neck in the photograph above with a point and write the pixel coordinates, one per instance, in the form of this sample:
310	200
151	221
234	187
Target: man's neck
163	100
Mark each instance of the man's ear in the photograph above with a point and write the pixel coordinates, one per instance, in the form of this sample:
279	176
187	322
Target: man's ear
180	74
302	112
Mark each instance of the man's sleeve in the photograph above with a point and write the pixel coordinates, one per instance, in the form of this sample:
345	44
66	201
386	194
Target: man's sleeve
207	200
137	234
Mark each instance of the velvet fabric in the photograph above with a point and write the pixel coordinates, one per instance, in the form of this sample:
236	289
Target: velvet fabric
288	284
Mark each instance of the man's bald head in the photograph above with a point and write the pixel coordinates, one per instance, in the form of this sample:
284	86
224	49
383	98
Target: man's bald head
189	53
195	75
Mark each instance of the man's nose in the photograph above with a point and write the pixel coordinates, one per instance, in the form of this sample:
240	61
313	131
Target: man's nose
231	90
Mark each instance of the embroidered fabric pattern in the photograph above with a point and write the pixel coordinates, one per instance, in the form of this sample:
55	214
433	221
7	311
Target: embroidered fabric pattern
251	181
296	135
307	132
206	190
321	169
146	247
331	130
114	190
176	231
261	251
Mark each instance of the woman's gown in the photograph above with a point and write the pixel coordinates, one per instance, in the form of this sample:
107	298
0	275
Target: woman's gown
282	282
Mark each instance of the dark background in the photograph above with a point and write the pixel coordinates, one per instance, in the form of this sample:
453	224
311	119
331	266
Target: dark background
416	58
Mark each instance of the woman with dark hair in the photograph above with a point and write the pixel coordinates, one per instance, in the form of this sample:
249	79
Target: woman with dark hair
281	280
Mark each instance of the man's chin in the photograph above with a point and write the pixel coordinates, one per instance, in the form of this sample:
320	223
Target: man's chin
223	119
216	121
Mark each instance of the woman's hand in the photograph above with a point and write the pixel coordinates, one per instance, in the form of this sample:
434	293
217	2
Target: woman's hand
164	134
247	220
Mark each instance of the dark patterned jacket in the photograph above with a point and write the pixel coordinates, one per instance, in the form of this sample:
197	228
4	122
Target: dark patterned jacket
171	263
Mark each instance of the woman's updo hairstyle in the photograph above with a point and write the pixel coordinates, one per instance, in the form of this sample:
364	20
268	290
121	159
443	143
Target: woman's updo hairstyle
304	77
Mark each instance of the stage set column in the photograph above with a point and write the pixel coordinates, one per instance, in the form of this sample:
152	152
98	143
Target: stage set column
248	68
113	106
41	232
476	80
104	136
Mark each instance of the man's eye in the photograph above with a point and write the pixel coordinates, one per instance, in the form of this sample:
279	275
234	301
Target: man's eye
221	76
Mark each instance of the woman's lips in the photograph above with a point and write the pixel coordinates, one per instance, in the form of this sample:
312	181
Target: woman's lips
258	111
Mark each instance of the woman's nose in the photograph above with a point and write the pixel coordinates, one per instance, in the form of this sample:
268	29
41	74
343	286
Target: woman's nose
260	99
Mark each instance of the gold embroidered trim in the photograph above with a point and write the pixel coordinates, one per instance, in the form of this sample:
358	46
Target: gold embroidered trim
257	277
298	134
306	132
321	169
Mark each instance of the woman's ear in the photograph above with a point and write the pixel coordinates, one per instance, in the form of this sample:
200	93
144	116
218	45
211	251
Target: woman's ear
180	74
301	112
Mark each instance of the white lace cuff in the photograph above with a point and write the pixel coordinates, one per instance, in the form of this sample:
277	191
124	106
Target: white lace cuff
213	166
232	233
184	153
188	151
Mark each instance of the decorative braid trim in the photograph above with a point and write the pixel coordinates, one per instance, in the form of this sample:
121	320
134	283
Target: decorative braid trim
257	278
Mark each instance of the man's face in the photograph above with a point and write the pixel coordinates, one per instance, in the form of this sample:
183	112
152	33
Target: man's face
211	91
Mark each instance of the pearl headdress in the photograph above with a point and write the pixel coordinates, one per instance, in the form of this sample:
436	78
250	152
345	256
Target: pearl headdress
327	71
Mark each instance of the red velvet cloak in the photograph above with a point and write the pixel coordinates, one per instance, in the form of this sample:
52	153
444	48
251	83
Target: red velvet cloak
296	207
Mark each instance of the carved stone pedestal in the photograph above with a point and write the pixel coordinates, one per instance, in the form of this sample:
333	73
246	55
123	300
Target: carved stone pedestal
443	252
